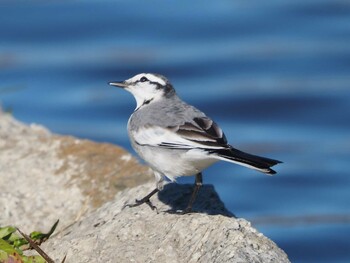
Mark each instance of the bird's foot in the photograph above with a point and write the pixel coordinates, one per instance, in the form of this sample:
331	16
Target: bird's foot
145	200
142	201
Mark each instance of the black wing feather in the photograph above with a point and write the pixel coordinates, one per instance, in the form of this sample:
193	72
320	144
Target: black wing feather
203	131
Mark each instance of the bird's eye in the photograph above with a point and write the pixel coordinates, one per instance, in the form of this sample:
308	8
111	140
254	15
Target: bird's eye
143	79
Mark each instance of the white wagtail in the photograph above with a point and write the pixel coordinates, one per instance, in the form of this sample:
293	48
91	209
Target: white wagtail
176	139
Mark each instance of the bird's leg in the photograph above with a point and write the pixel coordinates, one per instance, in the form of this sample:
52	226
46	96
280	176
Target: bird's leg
145	200
198	183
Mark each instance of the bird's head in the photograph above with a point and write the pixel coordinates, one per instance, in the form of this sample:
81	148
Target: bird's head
146	87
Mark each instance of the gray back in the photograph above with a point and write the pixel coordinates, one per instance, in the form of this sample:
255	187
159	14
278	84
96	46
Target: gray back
166	112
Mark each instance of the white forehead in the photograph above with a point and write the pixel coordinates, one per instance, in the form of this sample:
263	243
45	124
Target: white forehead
149	76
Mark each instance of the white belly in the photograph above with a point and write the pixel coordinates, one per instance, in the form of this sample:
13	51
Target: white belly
174	163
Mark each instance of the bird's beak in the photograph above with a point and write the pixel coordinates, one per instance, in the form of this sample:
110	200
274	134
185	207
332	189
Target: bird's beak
119	84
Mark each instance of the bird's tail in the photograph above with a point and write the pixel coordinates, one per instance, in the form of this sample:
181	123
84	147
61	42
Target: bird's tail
233	155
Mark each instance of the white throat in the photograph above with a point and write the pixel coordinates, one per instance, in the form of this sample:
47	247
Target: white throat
146	100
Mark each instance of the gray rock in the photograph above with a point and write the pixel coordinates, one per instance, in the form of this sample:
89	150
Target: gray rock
114	233
45	177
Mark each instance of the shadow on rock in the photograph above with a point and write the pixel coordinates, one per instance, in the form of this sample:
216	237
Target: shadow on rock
208	201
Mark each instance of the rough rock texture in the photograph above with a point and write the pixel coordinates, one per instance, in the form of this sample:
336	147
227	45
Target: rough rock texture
115	233
45	177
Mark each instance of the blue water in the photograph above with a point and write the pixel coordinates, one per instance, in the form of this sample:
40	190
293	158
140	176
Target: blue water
275	75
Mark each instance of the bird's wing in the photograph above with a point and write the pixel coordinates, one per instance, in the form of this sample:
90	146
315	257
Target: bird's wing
201	133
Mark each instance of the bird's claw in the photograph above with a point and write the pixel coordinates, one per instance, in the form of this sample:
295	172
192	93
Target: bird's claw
142	201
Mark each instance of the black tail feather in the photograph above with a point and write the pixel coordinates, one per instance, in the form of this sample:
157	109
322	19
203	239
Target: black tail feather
261	163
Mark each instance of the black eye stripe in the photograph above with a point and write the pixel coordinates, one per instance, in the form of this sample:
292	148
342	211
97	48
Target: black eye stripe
157	84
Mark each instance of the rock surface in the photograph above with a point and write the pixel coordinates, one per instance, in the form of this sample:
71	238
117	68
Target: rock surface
45	177
115	233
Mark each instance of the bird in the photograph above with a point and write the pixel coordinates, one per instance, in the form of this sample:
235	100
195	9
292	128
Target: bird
175	138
